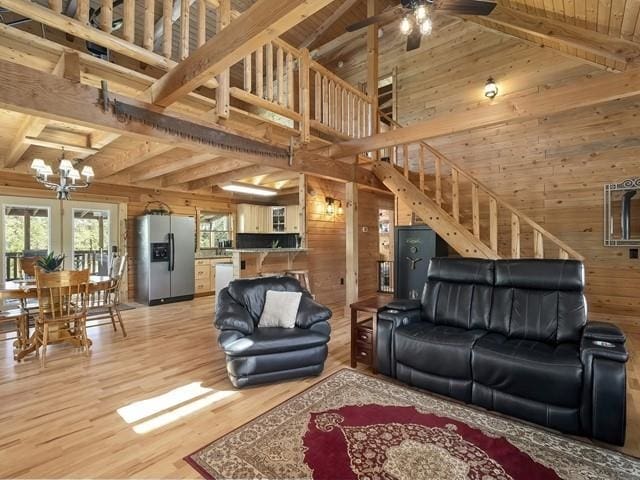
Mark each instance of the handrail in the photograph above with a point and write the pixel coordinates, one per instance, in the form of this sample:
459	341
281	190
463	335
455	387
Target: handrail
492	195
343	83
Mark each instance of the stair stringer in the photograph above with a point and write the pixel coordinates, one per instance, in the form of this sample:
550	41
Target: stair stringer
451	231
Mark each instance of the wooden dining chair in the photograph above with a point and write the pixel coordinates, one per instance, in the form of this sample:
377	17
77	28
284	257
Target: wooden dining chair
17	315
28	266
62	309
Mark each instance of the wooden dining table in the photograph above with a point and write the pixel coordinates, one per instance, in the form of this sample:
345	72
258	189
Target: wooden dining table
24	290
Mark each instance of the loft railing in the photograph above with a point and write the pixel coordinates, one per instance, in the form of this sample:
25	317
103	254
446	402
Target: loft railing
276	78
443	182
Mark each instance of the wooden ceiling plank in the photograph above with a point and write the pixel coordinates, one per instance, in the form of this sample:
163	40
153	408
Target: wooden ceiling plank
569	36
157	167
104	164
262	22
59	145
231	176
328	23
214	167
589	91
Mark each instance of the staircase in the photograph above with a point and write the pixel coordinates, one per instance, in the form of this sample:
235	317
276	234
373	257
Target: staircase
457	206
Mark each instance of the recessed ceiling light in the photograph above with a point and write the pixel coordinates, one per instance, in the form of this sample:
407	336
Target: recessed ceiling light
249	189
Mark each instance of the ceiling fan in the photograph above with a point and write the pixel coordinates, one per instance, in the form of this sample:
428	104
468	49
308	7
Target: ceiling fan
416	16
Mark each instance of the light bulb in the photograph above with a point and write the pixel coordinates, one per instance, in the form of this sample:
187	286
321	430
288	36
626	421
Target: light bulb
405	26
426	26
421	13
490	89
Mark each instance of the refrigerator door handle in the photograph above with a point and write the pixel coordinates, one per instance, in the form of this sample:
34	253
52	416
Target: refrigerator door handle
173	252
170	250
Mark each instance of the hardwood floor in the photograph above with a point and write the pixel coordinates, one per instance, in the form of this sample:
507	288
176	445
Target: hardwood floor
63	421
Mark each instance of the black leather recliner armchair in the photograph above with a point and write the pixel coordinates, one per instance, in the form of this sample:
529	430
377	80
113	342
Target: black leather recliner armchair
511	336
260	355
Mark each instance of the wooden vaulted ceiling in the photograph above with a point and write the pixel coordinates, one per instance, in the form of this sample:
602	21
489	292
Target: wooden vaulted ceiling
600	32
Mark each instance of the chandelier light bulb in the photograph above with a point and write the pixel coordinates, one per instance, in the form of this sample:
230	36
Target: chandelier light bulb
45	171
65	167
490	88
405	26
421	13
87	171
73	175
426	26
37	164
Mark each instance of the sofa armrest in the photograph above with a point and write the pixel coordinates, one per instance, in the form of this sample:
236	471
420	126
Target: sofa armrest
388	321
230	315
403	305
607	332
311	312
603	409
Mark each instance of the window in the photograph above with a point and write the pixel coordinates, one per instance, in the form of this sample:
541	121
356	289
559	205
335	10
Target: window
26	234
278	219
216	230
91	240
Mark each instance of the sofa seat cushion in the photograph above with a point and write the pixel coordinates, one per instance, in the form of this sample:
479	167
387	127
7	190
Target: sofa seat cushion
275	340
437	349
539	371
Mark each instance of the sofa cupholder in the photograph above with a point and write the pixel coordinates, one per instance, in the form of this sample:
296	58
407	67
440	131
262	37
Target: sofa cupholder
602	343
391	310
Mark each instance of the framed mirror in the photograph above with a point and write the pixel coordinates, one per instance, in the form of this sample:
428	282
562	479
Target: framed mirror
622	213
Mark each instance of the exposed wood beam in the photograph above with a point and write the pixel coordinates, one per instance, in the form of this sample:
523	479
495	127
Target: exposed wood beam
214	167
30	127
58	145
345	43
78	104
262	22
221	178
567	35
159	166
602	88
338	13
105	164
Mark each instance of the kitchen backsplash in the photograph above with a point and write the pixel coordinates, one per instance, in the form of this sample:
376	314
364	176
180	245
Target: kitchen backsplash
267	240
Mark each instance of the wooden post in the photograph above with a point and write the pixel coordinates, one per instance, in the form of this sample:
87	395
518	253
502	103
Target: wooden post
305	98
82	11
260	72
280	74
56	5
167	31
317	95
106	16
325	100
269	61
475	210
515	236
493	224
222	92
352	242
184	29
372	72
129	19
405	160
302	208
422	166
290	82
563	255
202	22
438	175
538	244
149	25
455	195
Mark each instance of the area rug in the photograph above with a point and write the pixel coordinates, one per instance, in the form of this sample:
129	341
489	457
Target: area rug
354	426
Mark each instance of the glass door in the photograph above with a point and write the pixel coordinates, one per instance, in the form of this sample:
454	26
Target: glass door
29	227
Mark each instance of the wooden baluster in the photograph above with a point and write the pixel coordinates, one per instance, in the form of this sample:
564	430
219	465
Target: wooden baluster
345	112
475	210
438	175
269	61
358	117
538	244
405	160
260	72
247	73
393	152
202	22
149	24
338	126
563	255
363	118
325	100
422	166
290	81
305	95
455	195
184	29
56	5
515	236
280	75
82	11
493	224
317	94
167	28
129	20
331	112
106	15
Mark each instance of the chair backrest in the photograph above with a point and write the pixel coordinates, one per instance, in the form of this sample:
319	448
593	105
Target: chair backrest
62	295
540	300
118	266
28	265
458	292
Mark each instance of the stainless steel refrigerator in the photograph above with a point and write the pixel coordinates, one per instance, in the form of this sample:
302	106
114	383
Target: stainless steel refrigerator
166	259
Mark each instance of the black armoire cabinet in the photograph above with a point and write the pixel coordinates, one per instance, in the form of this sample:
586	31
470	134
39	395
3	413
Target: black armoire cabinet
415	246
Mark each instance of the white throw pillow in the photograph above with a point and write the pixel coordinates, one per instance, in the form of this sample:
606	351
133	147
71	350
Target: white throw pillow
280	309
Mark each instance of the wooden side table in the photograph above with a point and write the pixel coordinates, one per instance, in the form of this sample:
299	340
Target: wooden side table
363	333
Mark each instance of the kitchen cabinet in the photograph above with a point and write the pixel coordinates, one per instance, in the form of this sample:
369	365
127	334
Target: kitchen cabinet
268	219
205	274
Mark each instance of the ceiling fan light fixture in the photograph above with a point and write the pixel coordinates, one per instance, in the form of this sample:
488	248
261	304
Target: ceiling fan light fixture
406	26
490	88
421	12
426	26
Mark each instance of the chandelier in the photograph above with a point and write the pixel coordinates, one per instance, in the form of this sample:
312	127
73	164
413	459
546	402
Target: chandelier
420	19
69	179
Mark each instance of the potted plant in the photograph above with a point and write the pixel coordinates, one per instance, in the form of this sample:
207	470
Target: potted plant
51	262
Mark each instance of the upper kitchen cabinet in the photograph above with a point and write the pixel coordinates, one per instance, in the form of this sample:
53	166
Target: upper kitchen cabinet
268	219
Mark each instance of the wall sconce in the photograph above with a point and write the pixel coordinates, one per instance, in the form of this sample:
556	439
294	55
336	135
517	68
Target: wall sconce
490	88
340	210
330	208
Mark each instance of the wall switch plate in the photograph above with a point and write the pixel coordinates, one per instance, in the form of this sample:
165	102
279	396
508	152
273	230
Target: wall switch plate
342	281
365	229
633	253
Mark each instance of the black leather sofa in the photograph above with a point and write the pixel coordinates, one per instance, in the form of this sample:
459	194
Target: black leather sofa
260	355
511	336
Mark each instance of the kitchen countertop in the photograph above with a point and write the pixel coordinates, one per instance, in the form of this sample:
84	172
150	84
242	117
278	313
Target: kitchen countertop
268	250
211	256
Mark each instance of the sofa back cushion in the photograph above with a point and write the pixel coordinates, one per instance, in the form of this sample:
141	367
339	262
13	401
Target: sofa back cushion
539	300
251	292
458	292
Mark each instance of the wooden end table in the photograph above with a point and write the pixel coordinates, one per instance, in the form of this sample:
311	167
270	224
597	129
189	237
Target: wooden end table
363	333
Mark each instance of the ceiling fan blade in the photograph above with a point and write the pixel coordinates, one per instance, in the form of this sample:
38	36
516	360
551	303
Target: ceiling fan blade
381	18
413	40
465	7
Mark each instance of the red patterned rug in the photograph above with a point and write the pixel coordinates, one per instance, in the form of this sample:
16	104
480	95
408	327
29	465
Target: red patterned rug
353	426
